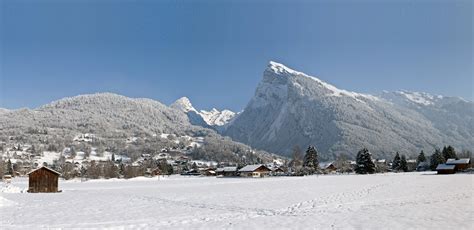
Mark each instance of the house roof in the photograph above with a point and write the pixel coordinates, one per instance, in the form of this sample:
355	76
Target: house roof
251	168
460	161
445	167
227	169
51	170
325	165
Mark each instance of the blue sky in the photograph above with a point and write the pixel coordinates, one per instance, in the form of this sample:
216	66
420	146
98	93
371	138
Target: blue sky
214	52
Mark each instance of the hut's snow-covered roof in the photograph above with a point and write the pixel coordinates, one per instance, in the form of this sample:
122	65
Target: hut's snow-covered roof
54	171
460	161
325	165
444	167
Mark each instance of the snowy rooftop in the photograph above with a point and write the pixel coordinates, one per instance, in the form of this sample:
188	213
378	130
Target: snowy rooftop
460	161
227	169
54	171
250	168
444	167
324	165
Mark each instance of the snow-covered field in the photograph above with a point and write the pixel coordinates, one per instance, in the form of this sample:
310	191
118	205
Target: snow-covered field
382	201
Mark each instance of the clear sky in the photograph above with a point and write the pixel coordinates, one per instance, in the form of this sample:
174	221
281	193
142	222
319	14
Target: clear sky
214	52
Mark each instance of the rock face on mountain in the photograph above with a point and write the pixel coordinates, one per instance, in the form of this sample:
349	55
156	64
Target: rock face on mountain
291	108
209	119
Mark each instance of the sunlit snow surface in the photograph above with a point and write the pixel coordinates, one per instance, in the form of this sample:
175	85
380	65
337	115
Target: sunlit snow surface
382	201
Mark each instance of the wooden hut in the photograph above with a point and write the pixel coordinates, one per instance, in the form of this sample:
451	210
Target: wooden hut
327	166
445	169
43	179
460	164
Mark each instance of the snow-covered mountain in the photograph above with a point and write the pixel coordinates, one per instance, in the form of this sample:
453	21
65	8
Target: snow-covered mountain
216	117
291	108
213	118
115	118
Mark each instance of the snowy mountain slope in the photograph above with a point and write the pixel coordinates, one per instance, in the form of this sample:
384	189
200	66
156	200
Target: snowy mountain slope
2	110
453	116
112	117
183	104
291	108
213	118
216	117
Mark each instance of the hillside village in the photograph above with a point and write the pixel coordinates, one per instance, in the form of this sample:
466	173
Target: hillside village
86	158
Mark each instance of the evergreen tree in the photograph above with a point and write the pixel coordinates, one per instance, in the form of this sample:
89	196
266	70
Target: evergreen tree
403	164
436	158
72	151
421	158
2	168
122	169
194	166
396	162
113	157
10	168
449	153
364	162
83	171
310	161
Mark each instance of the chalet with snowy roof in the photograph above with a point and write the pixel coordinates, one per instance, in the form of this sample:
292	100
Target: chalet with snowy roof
277	171
445	169
227	172
327	166
460	164
43	180
423	166
207	171
255	171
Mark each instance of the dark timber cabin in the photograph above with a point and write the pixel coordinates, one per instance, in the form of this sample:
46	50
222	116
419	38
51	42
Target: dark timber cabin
43	179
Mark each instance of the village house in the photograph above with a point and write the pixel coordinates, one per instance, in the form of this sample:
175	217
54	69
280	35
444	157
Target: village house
445	169
411	164
207	171
277	171
327	166
44	180
423	166
255	171
460	164
227	172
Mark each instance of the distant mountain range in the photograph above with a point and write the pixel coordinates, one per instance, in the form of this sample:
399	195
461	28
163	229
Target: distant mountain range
210	119
289	109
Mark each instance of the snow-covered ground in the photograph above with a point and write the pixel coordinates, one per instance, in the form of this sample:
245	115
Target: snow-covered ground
382	201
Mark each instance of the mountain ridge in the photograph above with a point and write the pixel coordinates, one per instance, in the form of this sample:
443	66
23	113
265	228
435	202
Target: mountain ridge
115	118
292	108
